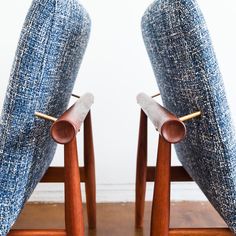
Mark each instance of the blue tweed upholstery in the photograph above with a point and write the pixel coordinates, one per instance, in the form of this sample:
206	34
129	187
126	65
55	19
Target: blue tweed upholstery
50	51
189	79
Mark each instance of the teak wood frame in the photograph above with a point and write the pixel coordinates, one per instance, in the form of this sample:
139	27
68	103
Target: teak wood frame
64	131
170	131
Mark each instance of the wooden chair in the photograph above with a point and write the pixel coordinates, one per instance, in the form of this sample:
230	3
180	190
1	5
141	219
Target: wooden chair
63	131
171	130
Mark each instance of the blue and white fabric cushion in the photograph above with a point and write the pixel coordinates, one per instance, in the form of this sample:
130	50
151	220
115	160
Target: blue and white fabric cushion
189	79
51	47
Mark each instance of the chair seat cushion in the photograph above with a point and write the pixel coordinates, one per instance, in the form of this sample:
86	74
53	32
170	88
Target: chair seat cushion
49	53
189	79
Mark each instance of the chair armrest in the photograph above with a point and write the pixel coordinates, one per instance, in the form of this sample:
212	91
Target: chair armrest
68	124
169	126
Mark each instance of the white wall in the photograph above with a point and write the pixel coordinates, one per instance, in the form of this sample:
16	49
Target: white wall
115	68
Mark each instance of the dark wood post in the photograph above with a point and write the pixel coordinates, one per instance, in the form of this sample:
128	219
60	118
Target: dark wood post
161	197
73	200
89	164
141	171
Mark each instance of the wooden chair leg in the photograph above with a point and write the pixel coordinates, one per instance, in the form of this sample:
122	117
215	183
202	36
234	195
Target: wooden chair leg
141	171
161	199
73	200
89	164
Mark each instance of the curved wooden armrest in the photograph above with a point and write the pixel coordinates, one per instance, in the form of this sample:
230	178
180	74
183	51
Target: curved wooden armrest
68	124
169	126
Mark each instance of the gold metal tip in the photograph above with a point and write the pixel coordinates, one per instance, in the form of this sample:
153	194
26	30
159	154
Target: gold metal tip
190	116
74	95
156	95
46	117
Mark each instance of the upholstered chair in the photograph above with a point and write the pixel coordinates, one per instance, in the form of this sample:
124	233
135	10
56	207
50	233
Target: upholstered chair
189	80
50	51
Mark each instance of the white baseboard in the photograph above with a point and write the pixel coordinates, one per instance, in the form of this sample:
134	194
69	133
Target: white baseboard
118	193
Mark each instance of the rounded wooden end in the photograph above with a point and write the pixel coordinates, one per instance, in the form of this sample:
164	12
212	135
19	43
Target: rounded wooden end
173	131
63	131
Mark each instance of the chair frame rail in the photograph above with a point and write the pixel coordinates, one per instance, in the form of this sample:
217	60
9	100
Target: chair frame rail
71	174
163	173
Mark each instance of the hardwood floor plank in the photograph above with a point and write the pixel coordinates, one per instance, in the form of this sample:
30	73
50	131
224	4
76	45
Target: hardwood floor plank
118	219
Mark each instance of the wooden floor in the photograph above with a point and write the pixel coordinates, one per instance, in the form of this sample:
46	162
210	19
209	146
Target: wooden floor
118	219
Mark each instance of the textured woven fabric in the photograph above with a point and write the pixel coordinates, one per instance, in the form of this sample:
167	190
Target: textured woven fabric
50	50
188	76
